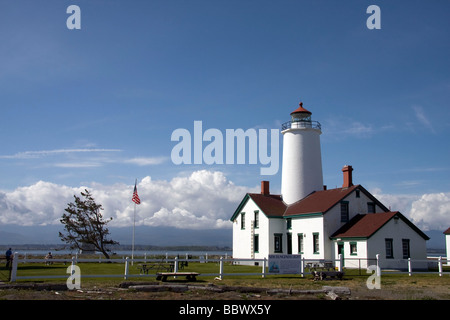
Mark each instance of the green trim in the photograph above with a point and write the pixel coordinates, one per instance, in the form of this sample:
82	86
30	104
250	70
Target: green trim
314	243
356	251
239	208
255	236
349	238
304	215
300	235
281	242
256	221
289	223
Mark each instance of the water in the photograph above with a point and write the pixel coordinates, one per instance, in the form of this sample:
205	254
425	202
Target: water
127	253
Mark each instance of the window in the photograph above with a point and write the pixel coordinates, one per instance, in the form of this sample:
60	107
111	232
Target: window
315	243
358	194
289	223
353	248
405	248
344	211
289	243
256	243
370	207
278	242
242	220
300	242
256	223
389	248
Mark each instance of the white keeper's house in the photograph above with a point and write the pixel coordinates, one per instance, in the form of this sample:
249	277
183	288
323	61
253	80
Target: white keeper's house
316	222
447	244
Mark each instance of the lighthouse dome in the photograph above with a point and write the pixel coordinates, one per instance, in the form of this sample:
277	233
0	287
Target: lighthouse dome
301	114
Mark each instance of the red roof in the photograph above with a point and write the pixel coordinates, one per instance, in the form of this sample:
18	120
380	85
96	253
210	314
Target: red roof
365	225
319	201
447	231
300	109
360	226
271	204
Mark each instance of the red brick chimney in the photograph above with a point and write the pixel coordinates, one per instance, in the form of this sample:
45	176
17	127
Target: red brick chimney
348	182
265	188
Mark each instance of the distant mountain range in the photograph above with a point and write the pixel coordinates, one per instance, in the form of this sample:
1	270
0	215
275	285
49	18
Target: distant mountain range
144	235
149	236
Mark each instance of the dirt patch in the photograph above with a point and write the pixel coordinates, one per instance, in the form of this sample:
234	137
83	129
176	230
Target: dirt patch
392	288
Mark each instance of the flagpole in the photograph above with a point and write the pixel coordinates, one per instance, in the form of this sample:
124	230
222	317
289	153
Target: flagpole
136	201
134	225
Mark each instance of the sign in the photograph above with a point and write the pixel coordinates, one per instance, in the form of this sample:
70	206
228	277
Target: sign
285	263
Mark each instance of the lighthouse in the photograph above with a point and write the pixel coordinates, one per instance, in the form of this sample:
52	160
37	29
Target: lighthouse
302	159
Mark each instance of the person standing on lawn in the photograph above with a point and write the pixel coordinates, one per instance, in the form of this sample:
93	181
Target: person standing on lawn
8	256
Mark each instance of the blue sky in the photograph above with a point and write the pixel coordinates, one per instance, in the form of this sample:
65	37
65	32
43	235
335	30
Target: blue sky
97	106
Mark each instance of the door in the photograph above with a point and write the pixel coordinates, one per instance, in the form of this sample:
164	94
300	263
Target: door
289	243
340	250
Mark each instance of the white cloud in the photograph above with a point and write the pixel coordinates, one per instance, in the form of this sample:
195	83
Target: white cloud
78	165
202	200
432	211
343	128
43	153
39	204
147	161
428	211
422	118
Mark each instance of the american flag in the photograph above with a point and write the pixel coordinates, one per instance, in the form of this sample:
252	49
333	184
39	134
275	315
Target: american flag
135	198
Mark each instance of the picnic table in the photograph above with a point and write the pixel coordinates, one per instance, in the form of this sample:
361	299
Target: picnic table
321	275
320	264
190	276
160	266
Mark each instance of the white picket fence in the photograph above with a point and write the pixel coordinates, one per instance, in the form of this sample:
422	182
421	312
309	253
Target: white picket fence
263	263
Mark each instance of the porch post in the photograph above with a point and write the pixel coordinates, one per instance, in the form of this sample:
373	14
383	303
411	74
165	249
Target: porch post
409	267
264	268
440	266
221	268
302	267
378	265
126	269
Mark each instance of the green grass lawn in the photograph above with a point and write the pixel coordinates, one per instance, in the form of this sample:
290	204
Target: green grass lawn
117	269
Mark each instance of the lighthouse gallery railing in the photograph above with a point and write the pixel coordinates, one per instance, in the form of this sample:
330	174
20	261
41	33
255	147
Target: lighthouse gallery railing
301	124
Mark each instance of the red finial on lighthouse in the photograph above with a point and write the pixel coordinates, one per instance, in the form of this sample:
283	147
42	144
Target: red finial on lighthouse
300	109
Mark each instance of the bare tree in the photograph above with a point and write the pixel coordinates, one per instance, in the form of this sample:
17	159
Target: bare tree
84	225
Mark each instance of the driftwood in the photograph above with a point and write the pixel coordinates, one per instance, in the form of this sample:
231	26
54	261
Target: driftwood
331	292
172	287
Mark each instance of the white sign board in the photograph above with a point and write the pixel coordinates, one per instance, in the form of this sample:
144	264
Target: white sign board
284	263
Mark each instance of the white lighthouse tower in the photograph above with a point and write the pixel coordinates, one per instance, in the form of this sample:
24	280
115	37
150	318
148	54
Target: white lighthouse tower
302	159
